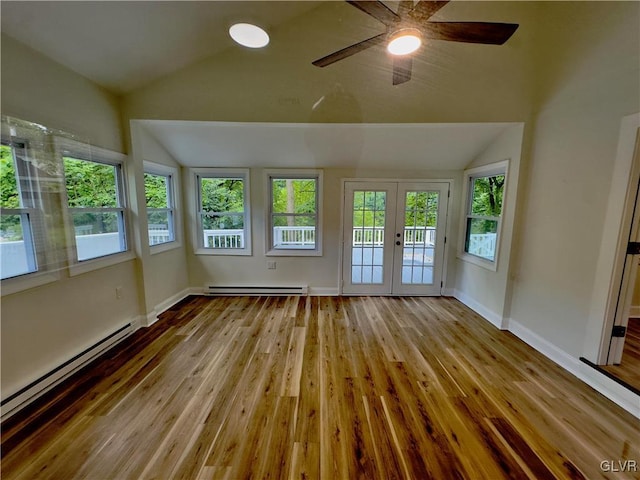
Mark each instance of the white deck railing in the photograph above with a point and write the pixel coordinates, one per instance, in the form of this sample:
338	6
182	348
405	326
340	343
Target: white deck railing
224	238
294	236
482	245
365	236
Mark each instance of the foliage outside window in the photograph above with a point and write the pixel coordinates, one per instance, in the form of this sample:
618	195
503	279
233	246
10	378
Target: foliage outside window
158	190
294	201
96	207
19	201
223	211
484	211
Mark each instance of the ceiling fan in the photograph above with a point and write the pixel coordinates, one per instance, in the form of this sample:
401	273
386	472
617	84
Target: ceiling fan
409	25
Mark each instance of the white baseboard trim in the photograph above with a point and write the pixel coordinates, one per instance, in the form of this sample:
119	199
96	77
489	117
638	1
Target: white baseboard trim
545	347
137	322
29	393
323	292
601	383
151	318
493	318
171	301
635	311
153	315
449	292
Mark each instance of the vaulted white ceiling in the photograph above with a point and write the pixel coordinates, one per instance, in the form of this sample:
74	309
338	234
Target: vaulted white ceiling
371	146
124	45
161	55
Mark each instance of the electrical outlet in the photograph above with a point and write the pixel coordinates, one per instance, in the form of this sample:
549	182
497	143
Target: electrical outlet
118	292
271	265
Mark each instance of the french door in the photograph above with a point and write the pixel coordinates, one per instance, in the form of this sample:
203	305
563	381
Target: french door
394	237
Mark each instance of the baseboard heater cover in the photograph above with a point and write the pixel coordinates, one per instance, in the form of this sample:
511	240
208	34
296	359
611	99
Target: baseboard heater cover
256	290
29	393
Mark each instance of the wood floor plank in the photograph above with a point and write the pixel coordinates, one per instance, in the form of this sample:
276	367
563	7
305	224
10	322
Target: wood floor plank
320	388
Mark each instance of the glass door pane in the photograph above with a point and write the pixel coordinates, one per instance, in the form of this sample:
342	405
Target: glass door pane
367	258
420	228
394	237
419	237
367	254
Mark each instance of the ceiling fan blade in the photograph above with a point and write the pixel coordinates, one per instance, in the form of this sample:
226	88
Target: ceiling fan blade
405	7
426	8
470	32
377	10
402	69
348	51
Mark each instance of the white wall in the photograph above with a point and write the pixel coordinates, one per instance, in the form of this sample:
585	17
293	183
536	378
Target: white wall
588	79
164	269
45	326
482	289
39	90
320	273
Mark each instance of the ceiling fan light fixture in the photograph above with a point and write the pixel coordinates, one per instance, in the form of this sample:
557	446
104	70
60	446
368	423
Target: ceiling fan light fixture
404	42
249	35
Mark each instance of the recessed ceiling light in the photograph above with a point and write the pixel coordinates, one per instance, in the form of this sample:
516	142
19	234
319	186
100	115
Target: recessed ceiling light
249	35
404	42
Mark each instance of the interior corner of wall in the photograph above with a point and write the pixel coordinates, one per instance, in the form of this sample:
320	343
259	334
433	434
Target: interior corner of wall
150	319
492	317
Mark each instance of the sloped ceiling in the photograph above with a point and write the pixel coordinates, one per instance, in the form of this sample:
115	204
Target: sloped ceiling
202	96
125	45
371	146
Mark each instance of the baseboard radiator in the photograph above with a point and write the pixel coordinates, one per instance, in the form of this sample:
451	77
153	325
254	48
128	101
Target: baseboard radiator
253	290
29	393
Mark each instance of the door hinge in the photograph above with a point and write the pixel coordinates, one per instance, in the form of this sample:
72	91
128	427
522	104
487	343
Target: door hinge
618	331
448	193
633	248
441	284
445	239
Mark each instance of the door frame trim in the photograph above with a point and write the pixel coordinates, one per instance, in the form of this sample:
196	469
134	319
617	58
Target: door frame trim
617	226
449	181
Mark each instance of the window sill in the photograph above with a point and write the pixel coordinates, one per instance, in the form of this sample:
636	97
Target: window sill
293	252
164	247
101	262
479	261
28	281
224	252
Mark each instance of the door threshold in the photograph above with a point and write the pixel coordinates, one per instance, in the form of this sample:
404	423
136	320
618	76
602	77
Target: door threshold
611	376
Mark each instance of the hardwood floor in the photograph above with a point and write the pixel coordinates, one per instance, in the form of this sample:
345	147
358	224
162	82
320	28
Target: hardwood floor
629	369
320	388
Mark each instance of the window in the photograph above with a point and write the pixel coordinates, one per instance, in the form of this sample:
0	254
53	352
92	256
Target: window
158	188
95	197
294	213
485	192
223	212
20	229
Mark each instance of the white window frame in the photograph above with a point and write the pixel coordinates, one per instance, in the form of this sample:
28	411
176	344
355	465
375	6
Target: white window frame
171	173
198	240
35	236
66	147
296	174
492	169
